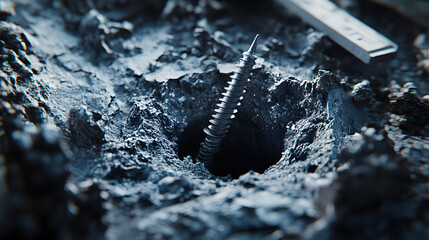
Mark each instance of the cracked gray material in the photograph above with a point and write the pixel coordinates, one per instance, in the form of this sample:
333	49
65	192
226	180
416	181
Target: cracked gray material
316	143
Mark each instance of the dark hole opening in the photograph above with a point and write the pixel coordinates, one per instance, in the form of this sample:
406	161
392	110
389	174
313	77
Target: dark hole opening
312	168
246	147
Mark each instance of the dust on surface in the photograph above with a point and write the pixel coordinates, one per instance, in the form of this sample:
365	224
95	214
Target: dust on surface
108	99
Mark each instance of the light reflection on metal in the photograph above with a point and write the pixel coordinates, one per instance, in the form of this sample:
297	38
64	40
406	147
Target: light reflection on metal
221	120
356	37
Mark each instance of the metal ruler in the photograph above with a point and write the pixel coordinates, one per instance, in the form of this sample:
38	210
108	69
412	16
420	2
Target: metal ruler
356	37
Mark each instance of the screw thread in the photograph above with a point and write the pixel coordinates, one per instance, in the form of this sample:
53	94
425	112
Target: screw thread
227	107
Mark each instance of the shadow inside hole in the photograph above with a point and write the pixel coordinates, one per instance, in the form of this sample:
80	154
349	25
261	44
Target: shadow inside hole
246	147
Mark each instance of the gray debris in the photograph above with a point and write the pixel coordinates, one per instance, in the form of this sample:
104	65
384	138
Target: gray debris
296	164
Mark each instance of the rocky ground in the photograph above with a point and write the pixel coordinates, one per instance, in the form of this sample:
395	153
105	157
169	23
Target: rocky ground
103	105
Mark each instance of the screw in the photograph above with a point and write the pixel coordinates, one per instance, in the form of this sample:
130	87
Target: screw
220	123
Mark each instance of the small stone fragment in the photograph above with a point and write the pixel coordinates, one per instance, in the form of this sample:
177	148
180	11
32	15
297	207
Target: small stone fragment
84	130
362	93
97	31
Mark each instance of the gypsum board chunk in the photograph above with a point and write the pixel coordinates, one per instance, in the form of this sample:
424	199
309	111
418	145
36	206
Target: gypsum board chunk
353	35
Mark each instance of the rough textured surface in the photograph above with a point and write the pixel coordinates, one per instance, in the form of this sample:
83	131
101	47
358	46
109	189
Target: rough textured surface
103	105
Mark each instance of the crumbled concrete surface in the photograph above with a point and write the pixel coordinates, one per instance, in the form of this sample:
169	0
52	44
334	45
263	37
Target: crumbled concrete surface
103	105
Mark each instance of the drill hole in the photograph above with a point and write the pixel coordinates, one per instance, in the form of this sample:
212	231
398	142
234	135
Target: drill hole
244	148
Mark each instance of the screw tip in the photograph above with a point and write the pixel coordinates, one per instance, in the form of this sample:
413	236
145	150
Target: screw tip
252	48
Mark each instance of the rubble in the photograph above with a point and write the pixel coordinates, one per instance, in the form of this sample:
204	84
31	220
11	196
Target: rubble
101	123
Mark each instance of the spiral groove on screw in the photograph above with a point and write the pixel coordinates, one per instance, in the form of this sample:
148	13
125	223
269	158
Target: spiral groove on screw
221	120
